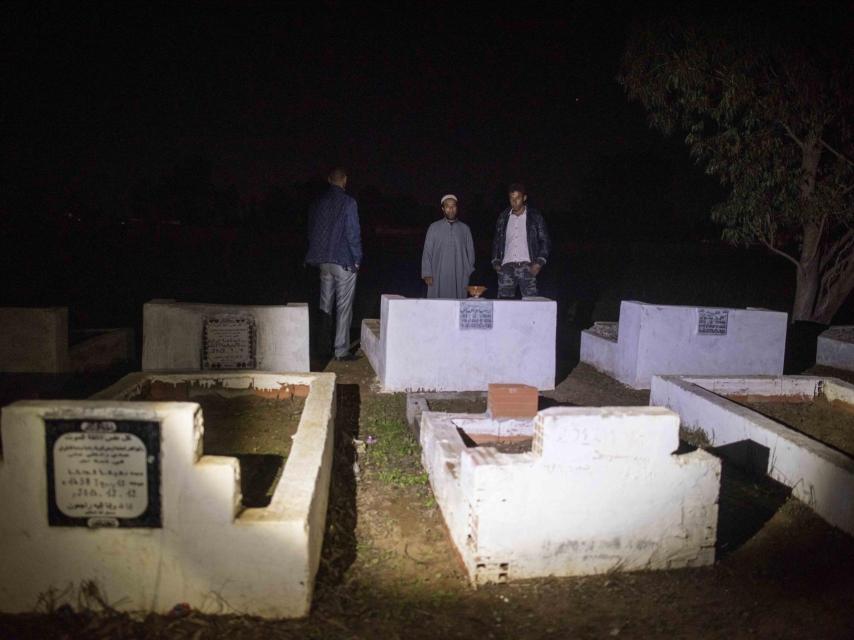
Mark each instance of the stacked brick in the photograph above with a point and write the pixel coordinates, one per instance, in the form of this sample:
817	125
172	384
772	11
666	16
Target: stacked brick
512	401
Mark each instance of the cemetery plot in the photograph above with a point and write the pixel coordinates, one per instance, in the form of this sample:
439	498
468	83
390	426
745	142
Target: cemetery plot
129	496
797	429
251	425
835	348
573	491
182	336
461	345
830	422
652	339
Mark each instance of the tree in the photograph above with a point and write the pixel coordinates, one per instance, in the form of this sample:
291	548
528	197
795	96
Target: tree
768	111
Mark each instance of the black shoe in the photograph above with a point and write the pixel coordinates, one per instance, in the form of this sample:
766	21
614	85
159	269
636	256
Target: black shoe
348	358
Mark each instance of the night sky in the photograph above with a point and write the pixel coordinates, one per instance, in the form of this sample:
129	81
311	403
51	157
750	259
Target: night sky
101	99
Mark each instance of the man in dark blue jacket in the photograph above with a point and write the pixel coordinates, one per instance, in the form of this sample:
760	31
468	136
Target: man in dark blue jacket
335	246
520	248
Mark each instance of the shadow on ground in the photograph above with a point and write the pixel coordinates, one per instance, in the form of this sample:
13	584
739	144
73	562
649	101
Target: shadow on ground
339	542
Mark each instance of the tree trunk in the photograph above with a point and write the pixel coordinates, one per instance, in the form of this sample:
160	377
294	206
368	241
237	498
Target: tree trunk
837	278
808	278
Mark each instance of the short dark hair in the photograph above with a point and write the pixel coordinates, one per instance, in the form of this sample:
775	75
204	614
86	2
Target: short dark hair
517	186
337	173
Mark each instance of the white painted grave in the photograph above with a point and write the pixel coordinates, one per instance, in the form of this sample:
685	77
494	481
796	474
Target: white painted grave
188	336
119	492
835	348
820	476
35	340
663	339
461	345
601	490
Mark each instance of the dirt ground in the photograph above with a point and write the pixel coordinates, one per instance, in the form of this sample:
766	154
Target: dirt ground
388	569
829	422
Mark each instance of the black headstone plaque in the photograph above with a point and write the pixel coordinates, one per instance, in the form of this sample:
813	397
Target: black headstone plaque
476	314
103	473
712	322
228	342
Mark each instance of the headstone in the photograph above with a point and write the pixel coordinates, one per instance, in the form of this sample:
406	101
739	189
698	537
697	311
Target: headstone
476	314
228	342
103	473
712	322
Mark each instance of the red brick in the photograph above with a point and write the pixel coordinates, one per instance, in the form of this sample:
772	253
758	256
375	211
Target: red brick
512	400
301	390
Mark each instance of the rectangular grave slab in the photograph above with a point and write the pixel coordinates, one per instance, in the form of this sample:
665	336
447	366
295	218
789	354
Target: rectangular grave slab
600	489
461	345
835	348
820	475
180	336
664	339
119	492
34	340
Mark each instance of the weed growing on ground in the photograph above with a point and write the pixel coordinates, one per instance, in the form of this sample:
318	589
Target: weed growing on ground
394	454
695	436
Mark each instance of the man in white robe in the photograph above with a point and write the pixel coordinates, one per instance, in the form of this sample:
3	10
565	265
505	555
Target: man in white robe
448	258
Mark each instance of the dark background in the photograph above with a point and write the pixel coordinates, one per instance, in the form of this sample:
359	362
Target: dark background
171	152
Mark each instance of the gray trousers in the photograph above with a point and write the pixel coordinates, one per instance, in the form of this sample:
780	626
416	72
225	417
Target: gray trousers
337	290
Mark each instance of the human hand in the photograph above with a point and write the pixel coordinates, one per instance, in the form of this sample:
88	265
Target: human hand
535	268
428	280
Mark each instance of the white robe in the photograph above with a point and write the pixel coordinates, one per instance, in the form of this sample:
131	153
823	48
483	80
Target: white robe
448	258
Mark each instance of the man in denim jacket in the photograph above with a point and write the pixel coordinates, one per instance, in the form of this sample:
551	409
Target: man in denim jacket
521	245
335	246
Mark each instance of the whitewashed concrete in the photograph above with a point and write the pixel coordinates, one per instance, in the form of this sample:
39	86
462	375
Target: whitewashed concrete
820	476
600	491
172	335
835	348
418	345
662	339
34	340
208	552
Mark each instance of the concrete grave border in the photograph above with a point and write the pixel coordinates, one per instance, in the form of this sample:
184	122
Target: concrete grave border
835	348
818	475
172	334
36	340
659	339
208	553
601	490
420	345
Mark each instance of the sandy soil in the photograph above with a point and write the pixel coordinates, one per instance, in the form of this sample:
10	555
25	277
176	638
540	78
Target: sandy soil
388	569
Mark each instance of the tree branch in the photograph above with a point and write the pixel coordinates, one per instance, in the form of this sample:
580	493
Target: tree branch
838	154
839	247
788	129
780	253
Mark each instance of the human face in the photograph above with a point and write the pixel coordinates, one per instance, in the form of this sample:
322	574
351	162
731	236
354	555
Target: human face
449	208
517	201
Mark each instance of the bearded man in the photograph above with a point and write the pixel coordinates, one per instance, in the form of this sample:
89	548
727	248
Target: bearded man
448	258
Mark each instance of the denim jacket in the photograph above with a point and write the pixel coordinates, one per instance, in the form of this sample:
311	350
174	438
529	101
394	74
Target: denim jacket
333	230
538	237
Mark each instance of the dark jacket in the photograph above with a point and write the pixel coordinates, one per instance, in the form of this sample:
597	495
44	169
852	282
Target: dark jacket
539	244
333	230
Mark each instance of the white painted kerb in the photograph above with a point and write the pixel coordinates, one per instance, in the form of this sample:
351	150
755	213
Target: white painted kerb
835	348
600	491
665	339
418	345
207	553
172	335
820	476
